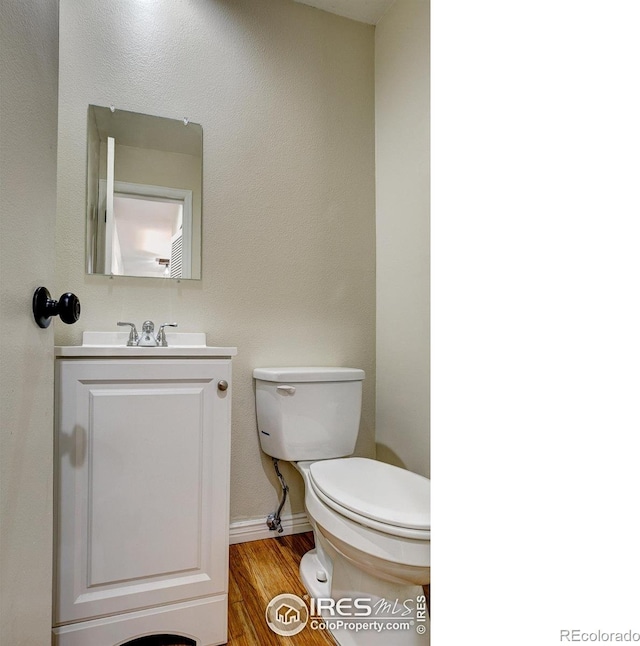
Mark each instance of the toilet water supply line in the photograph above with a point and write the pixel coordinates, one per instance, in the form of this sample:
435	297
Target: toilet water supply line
273	520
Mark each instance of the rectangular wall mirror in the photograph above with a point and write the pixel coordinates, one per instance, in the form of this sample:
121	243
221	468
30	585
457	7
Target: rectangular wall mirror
144	195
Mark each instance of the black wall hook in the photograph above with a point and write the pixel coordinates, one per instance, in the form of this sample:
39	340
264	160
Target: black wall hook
44	307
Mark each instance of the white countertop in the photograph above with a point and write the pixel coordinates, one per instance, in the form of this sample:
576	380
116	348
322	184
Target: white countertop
114	344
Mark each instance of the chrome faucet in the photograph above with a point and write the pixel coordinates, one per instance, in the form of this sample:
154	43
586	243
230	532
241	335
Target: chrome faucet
133	333
161	338
146	338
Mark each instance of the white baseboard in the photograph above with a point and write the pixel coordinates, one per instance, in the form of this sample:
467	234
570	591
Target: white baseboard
255	529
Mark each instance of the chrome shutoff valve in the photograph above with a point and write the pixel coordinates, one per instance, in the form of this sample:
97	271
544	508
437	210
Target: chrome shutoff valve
274	523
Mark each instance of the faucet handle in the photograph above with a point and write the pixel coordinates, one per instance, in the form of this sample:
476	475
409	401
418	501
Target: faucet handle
133	333
161	338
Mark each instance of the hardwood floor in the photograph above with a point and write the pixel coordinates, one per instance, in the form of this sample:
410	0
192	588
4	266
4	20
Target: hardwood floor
258	571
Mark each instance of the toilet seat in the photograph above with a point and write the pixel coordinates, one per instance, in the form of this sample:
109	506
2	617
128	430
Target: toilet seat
375	494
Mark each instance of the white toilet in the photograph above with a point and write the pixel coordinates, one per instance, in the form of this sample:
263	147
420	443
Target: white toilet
371	520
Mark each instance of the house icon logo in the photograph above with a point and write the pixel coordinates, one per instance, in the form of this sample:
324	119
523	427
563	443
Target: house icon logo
287	614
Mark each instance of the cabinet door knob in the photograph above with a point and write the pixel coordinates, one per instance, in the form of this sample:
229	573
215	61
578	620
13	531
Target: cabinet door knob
222	385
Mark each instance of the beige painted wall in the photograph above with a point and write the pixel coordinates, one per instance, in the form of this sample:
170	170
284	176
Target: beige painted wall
28	129
402	222
285	95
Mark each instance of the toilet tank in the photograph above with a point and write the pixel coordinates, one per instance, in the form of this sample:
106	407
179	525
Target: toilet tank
308	413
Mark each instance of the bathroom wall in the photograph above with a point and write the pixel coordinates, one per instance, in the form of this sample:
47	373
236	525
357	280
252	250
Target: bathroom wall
285	95
28	130
402	221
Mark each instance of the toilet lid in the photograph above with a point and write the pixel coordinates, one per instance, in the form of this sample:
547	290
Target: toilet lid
376	490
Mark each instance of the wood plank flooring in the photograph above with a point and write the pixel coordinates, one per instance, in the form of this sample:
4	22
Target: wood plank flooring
260	570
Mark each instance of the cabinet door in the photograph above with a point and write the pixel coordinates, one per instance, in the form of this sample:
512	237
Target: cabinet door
142	458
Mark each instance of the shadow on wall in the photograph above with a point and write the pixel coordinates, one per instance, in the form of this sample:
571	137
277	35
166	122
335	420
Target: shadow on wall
295	494
385	454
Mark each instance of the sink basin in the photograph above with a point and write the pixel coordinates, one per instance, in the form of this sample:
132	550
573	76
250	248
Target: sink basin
110	339
114	344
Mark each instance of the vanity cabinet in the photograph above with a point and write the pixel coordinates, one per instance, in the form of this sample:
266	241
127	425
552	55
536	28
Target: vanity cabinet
141	498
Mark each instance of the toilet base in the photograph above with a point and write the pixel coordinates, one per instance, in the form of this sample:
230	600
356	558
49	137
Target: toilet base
351	583
310	565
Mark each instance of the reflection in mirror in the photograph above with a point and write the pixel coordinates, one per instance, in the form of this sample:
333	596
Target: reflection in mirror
144	195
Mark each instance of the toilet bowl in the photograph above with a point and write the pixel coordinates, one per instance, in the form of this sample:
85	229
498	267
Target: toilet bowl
373	514
371	520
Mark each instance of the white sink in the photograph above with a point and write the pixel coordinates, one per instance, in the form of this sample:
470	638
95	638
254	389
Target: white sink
114	344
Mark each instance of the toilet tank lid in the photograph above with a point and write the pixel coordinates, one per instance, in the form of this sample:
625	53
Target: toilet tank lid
302	374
